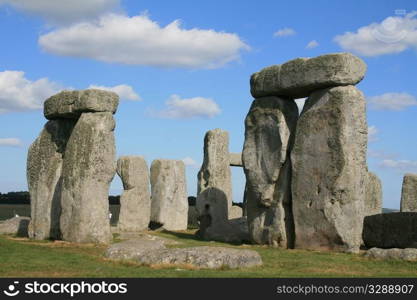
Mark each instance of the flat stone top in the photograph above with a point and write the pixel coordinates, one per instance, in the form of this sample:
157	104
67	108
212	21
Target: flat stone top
70	104
299	77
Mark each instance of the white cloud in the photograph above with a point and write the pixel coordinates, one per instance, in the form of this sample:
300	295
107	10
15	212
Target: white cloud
18	93
188	161
381	154
140	41
12	142
312	44
372	132
124	91
392	35
300	103
399	165
392	101
284	32
64	12
198	107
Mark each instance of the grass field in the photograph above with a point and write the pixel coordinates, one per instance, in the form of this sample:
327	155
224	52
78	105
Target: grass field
25	258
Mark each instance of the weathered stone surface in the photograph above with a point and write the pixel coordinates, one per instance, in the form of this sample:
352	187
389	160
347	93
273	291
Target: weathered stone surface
409	193
16	225
192	217
236	159
373	199
269	134
329	170
135	201
133	249
203	257
155	253
214	190
409	254
70	104
169	205
229	231
88	169
44	165
235	212
298	78
391	230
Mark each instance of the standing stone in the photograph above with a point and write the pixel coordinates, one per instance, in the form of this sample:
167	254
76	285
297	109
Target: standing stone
269	133
135	201
88	169
236	159
169	205
299	77
214	190
235	212
409	193
373	199
44	165
329	170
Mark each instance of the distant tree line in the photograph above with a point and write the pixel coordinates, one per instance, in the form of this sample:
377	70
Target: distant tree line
24	198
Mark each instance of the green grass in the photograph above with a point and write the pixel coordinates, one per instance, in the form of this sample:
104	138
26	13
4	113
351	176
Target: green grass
25	258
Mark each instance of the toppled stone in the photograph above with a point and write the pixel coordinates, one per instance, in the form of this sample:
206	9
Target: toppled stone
298	78
203	257
214	190
229	231
269	134
373	199
391	230
169	205
235	212
16	225
155	253
44	165
135	201
409	193
133	249
408	254
236	159
70	104
329	170
88	169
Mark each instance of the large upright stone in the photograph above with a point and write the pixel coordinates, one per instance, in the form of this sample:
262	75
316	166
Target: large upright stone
169	204
391	230
269	134
329	170
373	199
409	193
135	201
70	104
299	77
88	169
44	165
214	190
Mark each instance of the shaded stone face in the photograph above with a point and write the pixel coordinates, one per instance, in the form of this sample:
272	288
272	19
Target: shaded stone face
169	204
392	230
135	201
88	169
269	132
215	176
373	200
44	166
409	193
298	78
329	170
70	104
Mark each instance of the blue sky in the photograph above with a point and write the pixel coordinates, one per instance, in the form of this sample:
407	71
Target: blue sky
183	67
